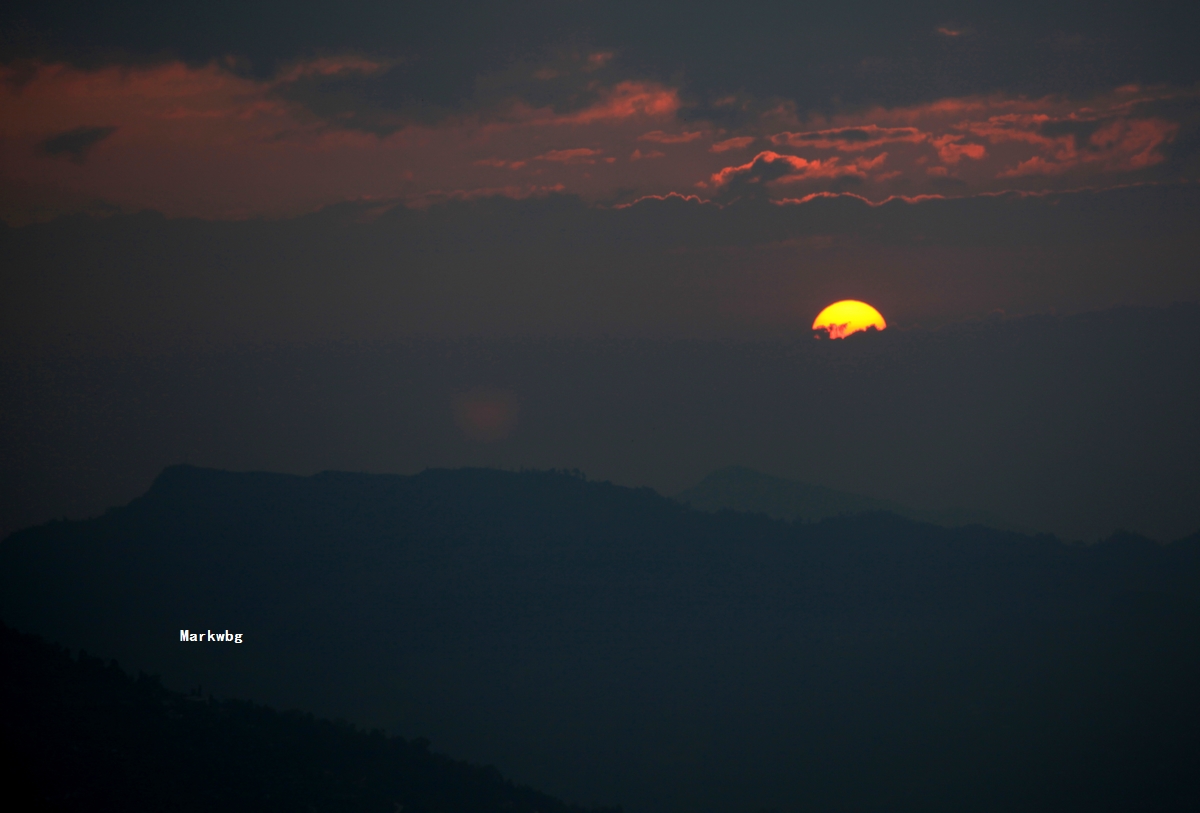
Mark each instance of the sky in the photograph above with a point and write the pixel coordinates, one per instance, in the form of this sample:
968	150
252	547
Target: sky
864	151
290	175
273	110
203	141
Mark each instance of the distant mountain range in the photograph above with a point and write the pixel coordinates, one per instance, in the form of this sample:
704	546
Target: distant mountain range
737	488
611	646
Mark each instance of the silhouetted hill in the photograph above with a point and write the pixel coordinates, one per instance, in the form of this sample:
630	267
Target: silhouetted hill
738	488
82	735
1079	425
611	646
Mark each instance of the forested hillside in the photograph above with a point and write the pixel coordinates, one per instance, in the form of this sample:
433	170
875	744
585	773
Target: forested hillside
82	735
611	646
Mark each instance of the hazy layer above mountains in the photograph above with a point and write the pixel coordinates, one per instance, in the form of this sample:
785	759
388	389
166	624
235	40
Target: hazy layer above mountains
1076	425
737	488
610	646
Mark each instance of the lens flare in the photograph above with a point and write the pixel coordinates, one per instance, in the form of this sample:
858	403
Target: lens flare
486	415
848	316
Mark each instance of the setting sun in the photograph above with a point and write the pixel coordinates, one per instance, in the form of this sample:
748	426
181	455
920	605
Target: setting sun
848	316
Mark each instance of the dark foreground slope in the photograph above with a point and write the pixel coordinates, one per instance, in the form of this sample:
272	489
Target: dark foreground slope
80	734
611	646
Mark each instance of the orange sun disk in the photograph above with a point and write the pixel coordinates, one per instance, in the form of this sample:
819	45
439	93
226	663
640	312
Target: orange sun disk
848	316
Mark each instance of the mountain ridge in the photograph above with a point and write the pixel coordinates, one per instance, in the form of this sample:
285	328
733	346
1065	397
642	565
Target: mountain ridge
740	488
612	646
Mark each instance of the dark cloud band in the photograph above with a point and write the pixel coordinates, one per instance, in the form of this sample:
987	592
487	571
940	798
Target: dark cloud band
77	142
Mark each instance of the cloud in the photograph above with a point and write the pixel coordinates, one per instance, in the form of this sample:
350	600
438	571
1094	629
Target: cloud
1113	145
1037	165
77	142
623	101
437	197
850	139
334	66
738	143
765	167
950	150
599	59
579	155
953	31
796	58
500	163
205	141
658	136
1130	144
672	197
770	167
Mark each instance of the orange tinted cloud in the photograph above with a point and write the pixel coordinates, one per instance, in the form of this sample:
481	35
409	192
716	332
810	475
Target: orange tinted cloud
625	100
660	137
849	139
950	150
1115	145
499	163
738	143
765	163
771	167
670	196
580	155
204	141
1037	165
1127	144
998	143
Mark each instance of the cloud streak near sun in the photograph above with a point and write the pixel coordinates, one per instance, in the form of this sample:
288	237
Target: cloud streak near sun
205	141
